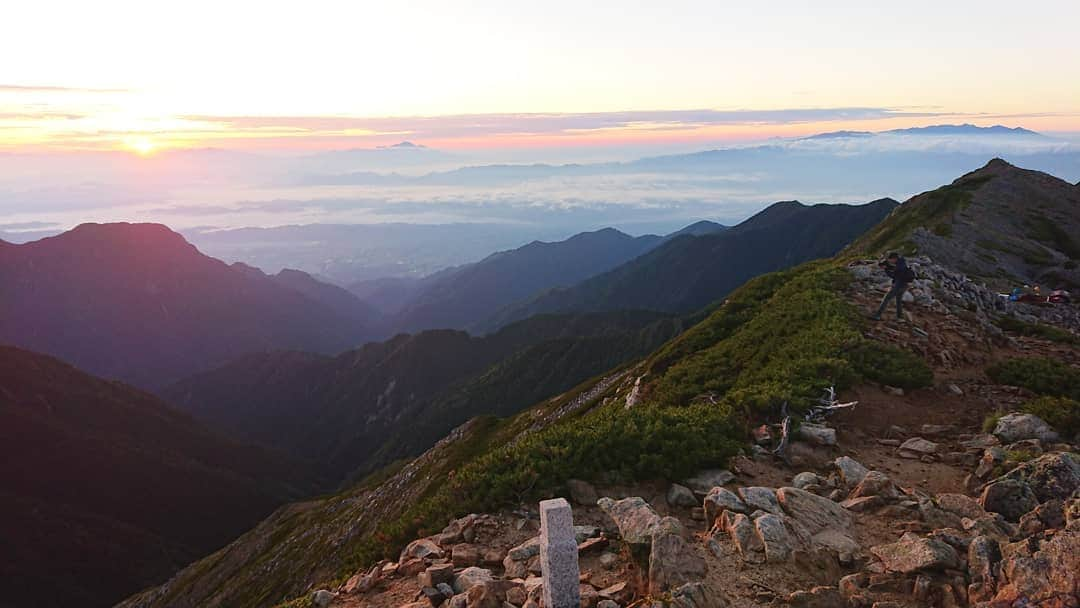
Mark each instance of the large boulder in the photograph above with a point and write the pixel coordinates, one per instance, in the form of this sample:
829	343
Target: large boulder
774	535
1011	498
672	563
1044	574
910	555
813	512
1017	427
1050	476
634	517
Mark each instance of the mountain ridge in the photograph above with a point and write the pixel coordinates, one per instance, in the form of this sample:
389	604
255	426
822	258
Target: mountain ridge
139	303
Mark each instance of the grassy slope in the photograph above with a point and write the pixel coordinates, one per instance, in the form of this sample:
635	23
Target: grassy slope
781	337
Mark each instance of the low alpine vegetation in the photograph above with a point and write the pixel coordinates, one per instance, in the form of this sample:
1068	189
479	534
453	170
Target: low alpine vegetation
1040	375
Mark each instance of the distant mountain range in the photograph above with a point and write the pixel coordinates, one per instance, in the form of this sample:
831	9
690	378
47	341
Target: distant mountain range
689	272
967	130
136	302
461	298
105	490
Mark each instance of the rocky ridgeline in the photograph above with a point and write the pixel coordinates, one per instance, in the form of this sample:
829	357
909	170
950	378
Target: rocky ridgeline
1014	541
946	291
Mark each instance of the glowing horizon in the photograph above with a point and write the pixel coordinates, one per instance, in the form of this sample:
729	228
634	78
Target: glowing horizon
491	75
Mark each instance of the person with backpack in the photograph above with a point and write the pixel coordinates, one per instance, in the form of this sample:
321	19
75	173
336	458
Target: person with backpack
896	267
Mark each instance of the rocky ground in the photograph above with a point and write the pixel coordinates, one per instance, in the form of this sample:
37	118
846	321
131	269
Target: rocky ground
907	504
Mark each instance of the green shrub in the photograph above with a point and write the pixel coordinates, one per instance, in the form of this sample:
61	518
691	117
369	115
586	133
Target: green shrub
890	365
1038	374
1061	413
990	422
1037	330
805	338
642	443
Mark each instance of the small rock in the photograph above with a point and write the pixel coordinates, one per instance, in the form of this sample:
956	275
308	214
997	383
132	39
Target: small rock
817	434
719	500
757	497
423	548
745	537
961	505
438	573
582	492
465	555
322	598
894	391
608	561
606	604
706	480
619	592
471	577
807	478
680	496
851	471
525	550
876	483
862	503
919	446
935	429
956	390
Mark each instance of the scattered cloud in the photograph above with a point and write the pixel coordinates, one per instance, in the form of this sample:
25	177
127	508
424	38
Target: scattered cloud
39	88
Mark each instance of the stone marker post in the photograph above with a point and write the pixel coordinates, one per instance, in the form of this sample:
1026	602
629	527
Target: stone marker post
558	555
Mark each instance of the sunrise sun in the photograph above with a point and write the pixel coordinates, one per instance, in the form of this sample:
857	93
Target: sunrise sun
143	146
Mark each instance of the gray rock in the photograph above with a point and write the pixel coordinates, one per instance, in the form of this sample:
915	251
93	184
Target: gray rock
812	511
876	483
757	497
322	598
471	577
983	557
706	480
423	548
634	517
919	446
817	434
582	492
1017	427
582	533
744	536
672	563
961	505
1051	476
697	595
680	496
1010	497
775	537
719	500
914	554
807	478
445	589
851	471
525	550
559	555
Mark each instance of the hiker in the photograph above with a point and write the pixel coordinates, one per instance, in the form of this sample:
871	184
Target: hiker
896	267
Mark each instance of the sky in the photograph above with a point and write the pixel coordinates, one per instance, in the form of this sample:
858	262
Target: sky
143	77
